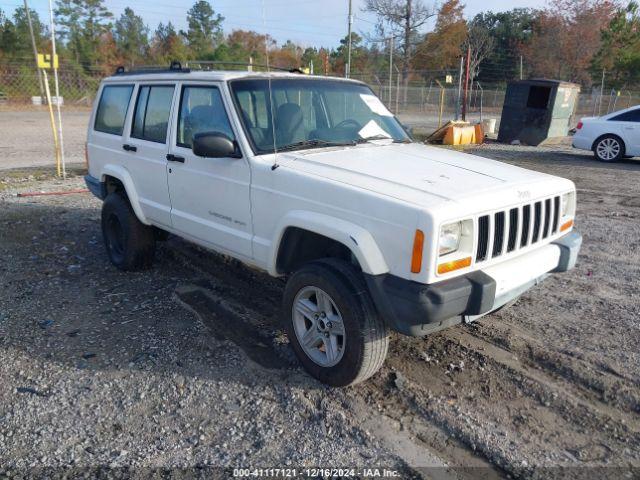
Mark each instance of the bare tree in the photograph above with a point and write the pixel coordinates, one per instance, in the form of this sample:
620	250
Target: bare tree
401	19
480	41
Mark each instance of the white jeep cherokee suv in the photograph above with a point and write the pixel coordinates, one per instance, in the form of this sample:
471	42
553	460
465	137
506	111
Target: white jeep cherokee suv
313	179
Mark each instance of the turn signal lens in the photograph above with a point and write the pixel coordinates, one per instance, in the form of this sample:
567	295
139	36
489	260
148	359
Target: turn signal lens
579	126
566	225
454	265
418	246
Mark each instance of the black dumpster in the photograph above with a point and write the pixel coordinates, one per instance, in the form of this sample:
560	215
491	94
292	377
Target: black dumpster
538	109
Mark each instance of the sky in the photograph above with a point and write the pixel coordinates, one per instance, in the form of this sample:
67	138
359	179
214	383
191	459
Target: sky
306	22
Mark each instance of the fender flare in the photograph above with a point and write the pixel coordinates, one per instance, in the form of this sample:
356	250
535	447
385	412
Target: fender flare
354	237
122	174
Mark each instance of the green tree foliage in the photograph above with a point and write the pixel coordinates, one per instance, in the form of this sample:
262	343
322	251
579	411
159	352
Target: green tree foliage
131	36
23	37
358	54
243	45
15	39
167	45
509	32
7	36
82	24
619	52
205	30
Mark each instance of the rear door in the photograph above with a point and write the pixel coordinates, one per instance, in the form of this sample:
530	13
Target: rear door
209	196
628	126
104	142
146	145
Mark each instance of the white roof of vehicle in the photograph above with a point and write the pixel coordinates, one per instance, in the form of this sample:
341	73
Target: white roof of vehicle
210	75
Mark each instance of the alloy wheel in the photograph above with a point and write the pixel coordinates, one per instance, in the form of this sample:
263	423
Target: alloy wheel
319	326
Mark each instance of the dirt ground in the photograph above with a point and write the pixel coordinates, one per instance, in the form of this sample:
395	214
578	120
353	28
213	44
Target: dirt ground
186	365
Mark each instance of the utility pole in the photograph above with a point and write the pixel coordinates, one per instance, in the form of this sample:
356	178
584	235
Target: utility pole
390	68
601	92
35	49
397	88
466	85
347	70
521	65
57	85
459	88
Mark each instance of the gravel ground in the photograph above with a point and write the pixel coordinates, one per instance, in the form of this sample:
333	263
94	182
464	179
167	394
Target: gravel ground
185	365
27	140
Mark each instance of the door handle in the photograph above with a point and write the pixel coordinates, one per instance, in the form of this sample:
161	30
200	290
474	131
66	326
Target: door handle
175	158
129	148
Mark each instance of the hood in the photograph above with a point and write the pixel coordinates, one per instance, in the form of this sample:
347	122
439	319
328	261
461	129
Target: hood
411	172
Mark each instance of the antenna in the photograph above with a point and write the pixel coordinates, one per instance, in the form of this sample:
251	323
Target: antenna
273	119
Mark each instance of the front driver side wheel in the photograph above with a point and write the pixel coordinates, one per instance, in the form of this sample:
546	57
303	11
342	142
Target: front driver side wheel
332	324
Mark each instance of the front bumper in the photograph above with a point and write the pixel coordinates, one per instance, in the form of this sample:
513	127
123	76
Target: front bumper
417	309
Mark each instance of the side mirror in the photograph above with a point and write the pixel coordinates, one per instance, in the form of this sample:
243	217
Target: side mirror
214	145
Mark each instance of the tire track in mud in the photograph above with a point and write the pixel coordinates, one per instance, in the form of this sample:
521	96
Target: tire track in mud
505	409
216	301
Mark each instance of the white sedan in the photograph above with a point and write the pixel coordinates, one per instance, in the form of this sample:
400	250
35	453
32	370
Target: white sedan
610	137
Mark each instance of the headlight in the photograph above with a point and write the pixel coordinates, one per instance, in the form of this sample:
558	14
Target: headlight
449	238
568	208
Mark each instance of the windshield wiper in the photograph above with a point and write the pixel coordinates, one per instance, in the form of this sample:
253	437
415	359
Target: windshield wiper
311	144
381	137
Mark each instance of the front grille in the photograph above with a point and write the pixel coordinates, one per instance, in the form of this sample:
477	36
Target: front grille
507	231
483	238
537	216
513	229
526	221
498	234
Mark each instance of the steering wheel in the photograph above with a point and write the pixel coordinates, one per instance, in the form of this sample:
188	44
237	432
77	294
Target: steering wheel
349	122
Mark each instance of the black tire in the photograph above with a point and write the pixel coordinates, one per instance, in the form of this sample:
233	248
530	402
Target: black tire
613	141
130	244
366	334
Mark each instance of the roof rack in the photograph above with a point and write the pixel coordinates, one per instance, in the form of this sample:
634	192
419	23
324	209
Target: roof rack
175	67
206	63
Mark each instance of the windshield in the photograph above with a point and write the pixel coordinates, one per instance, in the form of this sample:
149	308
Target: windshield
311	113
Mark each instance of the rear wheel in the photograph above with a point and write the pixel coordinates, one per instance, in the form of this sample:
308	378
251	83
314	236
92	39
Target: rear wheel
609	148
130	244
332	324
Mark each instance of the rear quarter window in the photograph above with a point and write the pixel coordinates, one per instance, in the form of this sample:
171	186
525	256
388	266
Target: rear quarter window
112	109
630	116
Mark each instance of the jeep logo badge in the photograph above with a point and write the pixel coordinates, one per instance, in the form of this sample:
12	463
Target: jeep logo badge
523	194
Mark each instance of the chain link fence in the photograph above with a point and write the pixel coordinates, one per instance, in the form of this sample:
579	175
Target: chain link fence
20	82
422	105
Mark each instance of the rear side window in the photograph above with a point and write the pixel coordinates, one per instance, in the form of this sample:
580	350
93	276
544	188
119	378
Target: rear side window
151	116
201	110
112	109
630	116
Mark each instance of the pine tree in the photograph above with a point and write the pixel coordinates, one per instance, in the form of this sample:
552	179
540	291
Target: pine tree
619	53
131	37
205	30
83	22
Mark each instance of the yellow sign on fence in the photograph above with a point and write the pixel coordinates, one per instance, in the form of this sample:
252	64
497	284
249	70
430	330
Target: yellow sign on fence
44	61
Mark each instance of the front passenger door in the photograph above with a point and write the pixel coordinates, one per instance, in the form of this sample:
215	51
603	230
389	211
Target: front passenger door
209	196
